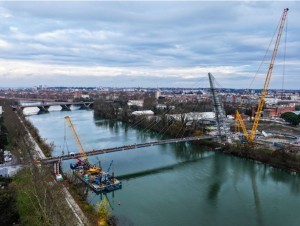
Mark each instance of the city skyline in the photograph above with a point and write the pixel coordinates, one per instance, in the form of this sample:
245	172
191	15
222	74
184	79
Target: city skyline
145	44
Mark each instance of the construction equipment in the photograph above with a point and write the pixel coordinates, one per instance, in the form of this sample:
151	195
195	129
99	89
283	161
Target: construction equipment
223	130
84	162
250	137
241	122
110	165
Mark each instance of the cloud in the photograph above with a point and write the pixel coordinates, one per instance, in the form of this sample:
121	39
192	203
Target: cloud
4	44
142	40
19	68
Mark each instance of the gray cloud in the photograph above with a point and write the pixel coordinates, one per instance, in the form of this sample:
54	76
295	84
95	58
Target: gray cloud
141	40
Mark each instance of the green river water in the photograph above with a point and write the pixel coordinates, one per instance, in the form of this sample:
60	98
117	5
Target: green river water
177	184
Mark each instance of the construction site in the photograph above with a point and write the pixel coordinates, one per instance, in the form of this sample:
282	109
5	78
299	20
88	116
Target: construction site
241	133
91	175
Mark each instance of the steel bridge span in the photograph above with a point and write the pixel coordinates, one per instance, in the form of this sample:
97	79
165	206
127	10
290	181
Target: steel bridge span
123	148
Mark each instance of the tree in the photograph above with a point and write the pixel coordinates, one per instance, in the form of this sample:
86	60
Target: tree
9	213
103	211
291	118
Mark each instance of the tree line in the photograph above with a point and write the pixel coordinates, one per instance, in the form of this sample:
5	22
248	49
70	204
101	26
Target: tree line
160	122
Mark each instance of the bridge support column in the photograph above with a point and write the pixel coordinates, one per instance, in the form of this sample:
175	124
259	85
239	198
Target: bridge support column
43	109
85	106
66	107
56	167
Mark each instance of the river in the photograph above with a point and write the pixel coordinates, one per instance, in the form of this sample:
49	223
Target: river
177	184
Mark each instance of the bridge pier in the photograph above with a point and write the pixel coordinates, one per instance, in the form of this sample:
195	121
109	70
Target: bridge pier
56	167
65	107
43	108
85	106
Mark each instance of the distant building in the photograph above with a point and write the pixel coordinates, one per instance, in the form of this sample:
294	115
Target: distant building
269	100
139	103
157	94
163	106
277	111
144	113
77	94
85	96
193	116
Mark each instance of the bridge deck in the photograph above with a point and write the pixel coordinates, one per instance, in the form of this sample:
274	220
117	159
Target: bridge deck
42	104
126	147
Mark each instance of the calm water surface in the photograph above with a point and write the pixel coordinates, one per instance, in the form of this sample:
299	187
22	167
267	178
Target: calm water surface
177	184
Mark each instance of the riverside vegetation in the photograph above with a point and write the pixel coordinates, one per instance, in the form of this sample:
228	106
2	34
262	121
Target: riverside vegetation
287	158
31	197
35	199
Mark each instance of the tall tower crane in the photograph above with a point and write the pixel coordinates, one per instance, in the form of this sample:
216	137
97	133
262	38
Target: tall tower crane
90	168
250	137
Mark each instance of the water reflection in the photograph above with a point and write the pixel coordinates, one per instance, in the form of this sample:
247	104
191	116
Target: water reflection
252	172
186	151
219	175
213	191
264	173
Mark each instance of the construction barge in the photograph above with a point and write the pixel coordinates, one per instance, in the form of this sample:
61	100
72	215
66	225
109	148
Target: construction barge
102	182
94	177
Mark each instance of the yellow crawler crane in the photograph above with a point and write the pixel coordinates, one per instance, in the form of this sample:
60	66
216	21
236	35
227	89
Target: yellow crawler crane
239	120
250	137
90	168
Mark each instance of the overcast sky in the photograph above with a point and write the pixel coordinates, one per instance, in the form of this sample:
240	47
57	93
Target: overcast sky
147	44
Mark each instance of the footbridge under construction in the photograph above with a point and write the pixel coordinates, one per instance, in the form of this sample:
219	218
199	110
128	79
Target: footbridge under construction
123	148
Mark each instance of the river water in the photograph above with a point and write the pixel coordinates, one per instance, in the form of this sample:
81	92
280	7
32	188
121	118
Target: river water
177	184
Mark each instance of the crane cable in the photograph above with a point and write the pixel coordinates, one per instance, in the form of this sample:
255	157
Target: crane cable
264	58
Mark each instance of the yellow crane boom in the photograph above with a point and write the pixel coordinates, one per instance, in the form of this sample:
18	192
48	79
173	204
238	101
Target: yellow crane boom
90	169
251	136
240	120
76	138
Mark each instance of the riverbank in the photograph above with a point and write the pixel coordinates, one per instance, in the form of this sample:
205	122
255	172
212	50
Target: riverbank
279	158
39	199
84	213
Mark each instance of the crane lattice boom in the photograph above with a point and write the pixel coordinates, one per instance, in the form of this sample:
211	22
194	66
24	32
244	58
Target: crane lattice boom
251	136
240	120
76	138
90	168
